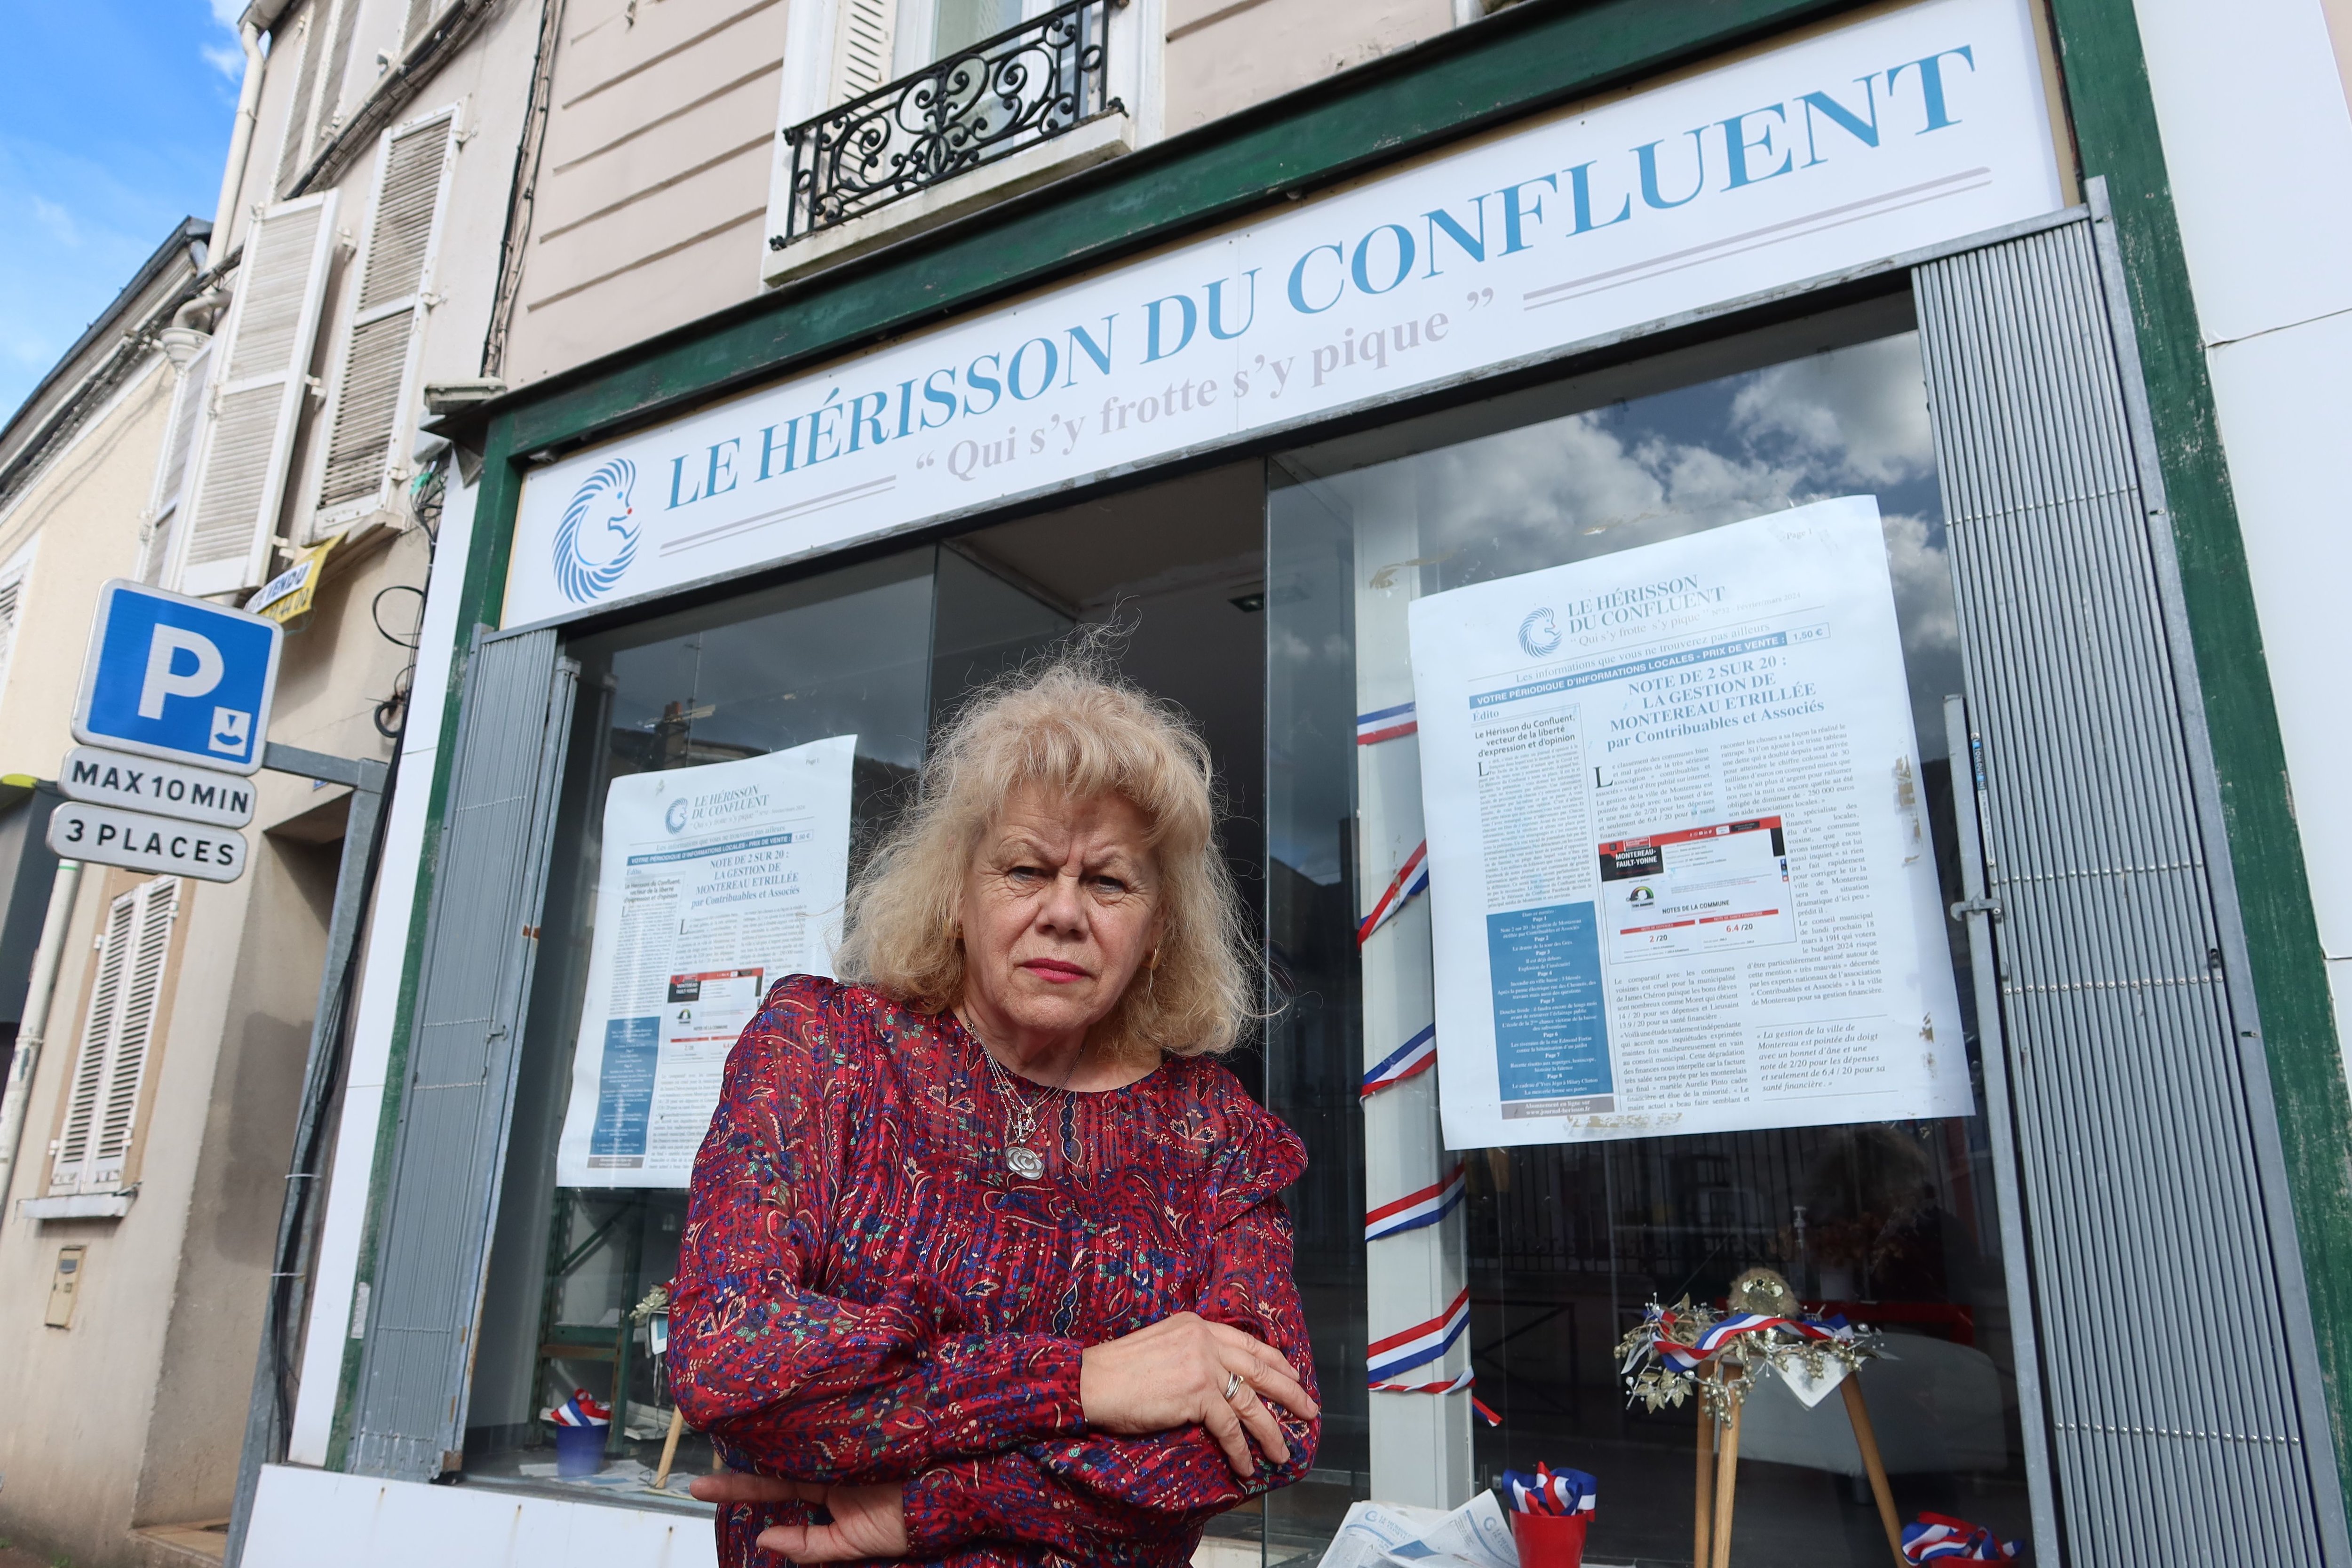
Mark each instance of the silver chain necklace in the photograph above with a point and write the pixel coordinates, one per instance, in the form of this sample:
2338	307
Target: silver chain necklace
1019	1116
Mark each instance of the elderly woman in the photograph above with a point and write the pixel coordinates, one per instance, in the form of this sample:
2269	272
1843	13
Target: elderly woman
984	1263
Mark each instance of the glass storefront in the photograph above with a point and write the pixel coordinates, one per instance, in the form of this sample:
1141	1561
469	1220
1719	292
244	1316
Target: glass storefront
1892	1224
1235	589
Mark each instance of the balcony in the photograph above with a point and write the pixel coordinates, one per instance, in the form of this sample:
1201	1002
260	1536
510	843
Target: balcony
1031	104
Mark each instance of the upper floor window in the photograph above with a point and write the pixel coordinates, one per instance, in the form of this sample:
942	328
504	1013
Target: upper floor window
1033	90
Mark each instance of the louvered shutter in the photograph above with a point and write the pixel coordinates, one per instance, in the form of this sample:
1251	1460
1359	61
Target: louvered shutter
374	391
344	19
861	54
116	1039
420	12
12	603
246	438
294	143
164	509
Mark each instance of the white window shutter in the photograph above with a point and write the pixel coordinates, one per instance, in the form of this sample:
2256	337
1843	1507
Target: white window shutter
245	441
331	71
375	391
163	508
420	12
149	949
861	51
12	602
116	1039
294	143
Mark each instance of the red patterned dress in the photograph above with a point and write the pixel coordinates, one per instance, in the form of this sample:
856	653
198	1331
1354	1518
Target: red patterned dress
867	1293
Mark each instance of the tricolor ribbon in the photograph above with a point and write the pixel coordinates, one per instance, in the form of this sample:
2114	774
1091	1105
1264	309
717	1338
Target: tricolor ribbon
1561	1493
1940	1538
1459	1386
1412	879
1686	1358
1417	1346
1385	724
1414	1210
580	1410
1411	1059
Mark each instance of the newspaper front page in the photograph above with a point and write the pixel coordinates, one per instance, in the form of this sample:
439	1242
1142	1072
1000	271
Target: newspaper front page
716	882
1681	874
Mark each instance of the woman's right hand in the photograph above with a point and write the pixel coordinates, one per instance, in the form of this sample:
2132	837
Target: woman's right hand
1177	1371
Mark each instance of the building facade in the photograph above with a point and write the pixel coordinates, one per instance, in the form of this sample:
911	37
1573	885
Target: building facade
856	351
242	427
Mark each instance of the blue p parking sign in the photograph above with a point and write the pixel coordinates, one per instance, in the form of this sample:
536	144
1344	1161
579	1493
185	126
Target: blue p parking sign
176	678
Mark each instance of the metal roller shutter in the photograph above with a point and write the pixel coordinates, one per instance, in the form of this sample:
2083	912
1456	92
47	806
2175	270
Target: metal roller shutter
2176	1347
480	939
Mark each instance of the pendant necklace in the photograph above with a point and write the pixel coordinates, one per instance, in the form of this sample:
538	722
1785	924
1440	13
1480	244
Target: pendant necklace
1020	1120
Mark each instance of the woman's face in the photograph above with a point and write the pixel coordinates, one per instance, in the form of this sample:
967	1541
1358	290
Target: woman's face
1060	907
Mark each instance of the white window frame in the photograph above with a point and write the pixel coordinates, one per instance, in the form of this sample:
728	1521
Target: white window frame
320	521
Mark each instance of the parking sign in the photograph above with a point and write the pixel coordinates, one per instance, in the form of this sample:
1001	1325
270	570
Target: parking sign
176	678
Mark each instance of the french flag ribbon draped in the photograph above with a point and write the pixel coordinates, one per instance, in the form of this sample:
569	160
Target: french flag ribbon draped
1686	1358
1418	1345
1411	879
1411	1059
1414	1210
1457	1386
1940	1538
1385	724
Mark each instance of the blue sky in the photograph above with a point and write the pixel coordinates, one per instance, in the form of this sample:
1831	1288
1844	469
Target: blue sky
113	128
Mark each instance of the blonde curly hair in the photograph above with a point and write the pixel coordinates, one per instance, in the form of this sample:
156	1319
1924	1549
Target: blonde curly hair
1070	723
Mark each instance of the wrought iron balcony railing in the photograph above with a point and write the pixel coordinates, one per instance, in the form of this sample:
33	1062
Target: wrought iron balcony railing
1024	86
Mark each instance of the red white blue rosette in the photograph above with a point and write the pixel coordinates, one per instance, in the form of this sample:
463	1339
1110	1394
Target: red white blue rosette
580	1410
1940	1538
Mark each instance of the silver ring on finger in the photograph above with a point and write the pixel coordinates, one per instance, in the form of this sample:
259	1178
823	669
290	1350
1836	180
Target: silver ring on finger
1233	1386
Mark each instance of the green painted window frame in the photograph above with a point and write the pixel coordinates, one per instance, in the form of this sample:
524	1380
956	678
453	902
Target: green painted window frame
1524	59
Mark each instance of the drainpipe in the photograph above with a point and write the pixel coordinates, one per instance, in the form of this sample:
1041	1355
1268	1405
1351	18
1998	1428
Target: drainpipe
38	990
241	141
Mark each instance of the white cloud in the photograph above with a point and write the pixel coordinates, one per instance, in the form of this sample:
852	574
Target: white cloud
226	12
223	58
53	218
1862	411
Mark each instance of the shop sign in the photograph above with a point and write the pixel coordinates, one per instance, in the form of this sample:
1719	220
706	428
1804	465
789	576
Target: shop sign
1894	134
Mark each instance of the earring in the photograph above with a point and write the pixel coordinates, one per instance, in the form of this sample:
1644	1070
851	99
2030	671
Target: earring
1153	962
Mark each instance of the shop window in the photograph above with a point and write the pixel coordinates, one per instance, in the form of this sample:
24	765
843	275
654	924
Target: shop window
875	651
1894	1223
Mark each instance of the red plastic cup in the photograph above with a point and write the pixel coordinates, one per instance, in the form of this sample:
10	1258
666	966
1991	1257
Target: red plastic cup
1550	1540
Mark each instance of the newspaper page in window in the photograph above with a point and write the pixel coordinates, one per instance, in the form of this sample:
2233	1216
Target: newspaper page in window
1681	874
717	881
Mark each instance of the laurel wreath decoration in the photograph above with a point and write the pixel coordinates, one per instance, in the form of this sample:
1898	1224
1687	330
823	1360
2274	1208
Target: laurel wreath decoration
1686	1349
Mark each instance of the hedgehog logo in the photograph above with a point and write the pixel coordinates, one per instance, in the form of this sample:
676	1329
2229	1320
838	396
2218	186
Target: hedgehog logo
596	540
1539	634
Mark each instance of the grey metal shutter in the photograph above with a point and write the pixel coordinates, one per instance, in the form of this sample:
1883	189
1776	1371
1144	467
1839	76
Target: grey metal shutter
2185	1416
480	939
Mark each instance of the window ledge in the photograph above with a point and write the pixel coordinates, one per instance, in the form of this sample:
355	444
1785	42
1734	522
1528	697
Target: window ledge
1104	137
78	1206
